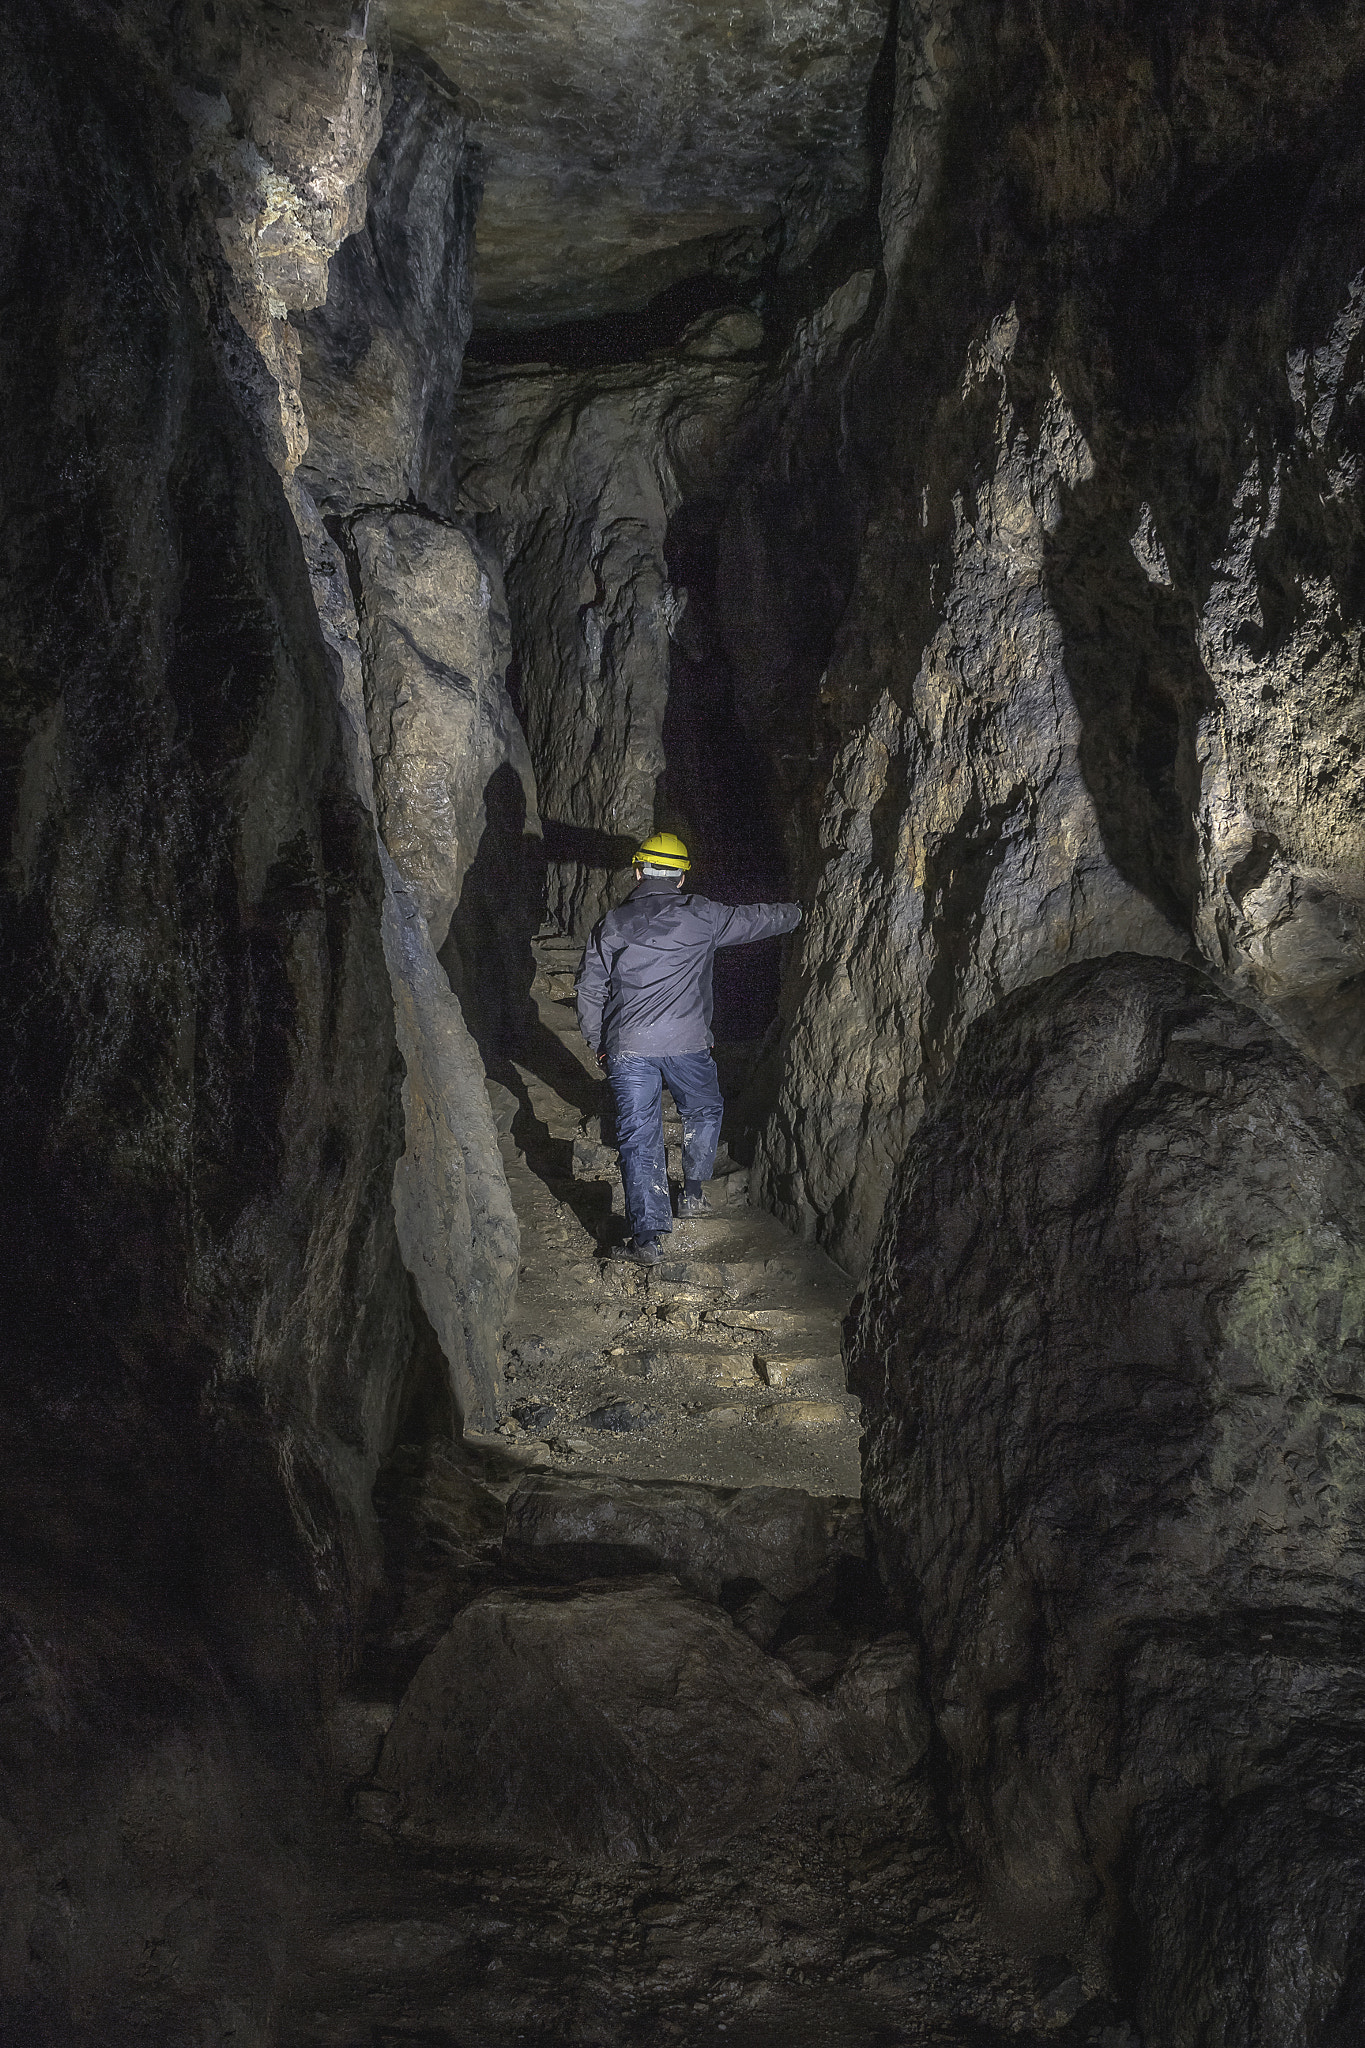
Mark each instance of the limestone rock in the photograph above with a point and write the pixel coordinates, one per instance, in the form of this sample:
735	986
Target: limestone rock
627	149
1044	613
780	1538
625	1720
206	1320
444	739
282	113
880	1701
1112	1354
451	1205
435	642
578	475
381	357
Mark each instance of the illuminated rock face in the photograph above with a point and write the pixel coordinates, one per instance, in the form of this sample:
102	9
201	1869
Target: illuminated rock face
1045	609
629	146
1111	1354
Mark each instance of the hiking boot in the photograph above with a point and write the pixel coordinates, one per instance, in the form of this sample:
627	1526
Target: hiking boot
695	1205
645	1251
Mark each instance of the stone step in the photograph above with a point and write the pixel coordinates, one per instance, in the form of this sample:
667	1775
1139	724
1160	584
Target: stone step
786	1369
808	1413
559	986
727	1368
780	1327
564	1527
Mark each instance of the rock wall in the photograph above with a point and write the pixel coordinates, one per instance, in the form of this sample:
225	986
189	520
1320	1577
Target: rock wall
1046	560
416	618
1111	1356
380	357
206	1320
241	1098
434	643
573	478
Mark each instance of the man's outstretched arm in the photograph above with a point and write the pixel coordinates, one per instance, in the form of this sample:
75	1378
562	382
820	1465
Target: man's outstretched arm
741	923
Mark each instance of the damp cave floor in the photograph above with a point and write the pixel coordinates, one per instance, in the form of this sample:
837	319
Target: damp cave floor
837	1925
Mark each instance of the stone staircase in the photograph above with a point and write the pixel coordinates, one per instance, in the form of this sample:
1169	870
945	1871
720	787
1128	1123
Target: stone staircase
635	1755
722	1365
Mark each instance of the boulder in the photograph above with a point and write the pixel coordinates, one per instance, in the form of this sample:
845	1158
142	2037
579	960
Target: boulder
1112	1356
776	1537
621	1721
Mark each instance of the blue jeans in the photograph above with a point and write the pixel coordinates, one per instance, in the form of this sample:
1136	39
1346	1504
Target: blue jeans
637	1082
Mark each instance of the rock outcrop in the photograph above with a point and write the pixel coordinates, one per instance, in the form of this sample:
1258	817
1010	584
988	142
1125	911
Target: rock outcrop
416	620
1044	604
630	149
622	1720
206	1321
1111	1355
440	728
574	478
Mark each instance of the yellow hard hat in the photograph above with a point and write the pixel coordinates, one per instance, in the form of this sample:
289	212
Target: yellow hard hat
663	850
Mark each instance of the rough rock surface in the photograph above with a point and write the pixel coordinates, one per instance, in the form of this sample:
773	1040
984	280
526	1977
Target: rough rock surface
623	1720
777	1538
435	644
576	477
206	1321
381	357
1112	1355
441	732
630	147
1044	607
281	113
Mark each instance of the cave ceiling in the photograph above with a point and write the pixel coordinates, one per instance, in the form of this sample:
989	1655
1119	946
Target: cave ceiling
632	143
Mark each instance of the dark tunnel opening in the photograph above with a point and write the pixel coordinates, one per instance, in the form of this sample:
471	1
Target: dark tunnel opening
712	790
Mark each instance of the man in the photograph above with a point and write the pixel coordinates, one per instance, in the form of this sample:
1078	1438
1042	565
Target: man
644	1006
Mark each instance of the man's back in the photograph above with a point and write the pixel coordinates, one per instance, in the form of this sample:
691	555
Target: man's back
645	982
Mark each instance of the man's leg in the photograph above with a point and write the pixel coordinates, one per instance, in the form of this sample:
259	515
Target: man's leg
637	1087
695	1087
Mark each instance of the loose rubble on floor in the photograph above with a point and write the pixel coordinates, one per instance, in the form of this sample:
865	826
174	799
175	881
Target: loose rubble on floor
636	1752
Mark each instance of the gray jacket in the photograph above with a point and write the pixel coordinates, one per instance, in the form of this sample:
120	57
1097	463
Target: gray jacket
645	982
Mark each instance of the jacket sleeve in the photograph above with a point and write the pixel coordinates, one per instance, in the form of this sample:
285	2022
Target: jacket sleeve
741	923
591	990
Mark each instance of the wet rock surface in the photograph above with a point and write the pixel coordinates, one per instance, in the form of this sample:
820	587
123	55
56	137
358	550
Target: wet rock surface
1110	1355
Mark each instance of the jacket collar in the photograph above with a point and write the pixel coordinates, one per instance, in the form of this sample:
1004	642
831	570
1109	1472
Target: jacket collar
655	885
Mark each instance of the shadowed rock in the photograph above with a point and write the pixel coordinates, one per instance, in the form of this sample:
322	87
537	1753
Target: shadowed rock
620	1721
1112	1353
776	1537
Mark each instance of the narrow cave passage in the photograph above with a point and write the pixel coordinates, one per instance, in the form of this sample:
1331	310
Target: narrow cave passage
714	790
914	452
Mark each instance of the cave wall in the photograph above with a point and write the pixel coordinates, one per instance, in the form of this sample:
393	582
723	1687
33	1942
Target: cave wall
416	616
573	478
222	1001
380	358
1047	560
1110	1356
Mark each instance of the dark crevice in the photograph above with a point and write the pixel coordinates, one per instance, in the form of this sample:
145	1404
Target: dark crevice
713	789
